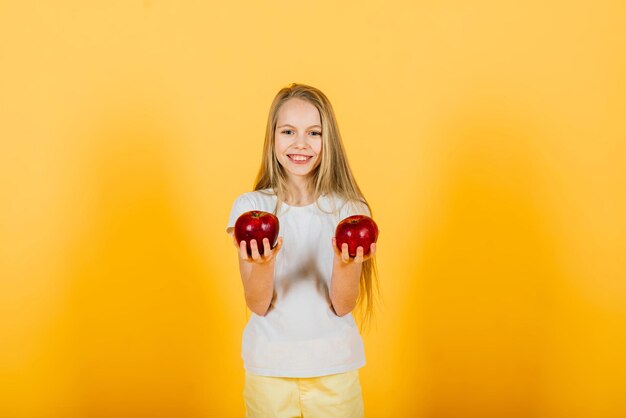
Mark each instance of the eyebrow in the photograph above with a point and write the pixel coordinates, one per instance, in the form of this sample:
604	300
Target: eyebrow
291	126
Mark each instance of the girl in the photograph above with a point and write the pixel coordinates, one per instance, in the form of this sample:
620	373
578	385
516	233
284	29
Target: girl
301	347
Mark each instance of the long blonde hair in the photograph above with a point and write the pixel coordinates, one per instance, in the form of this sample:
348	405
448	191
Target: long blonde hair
332	176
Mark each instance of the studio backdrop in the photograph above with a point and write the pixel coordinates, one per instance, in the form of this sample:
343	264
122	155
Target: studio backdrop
488	137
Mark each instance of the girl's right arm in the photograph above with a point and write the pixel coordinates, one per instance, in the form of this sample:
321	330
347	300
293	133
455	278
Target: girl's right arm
257	273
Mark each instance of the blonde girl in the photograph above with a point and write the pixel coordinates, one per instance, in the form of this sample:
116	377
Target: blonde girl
301	346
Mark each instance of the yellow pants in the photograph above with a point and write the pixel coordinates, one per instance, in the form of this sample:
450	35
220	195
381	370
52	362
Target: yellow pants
333	396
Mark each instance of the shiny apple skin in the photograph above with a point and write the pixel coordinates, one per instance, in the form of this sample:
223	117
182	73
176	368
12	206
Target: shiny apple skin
257	224
356	231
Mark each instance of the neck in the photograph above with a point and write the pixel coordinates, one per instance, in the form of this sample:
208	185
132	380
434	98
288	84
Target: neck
300	192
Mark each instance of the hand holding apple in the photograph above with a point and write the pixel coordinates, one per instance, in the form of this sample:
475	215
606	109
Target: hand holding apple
256	225
256	233
251	253
343	255
356	236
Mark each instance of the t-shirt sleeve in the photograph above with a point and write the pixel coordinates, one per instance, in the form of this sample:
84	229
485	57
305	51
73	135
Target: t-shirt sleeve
353	208
242	204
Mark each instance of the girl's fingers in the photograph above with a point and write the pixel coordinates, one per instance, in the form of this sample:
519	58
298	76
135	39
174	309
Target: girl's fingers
266	247
372	249
255	250
359	255
335	249
255	256
243	252
279	244
371	253
271	252
345	256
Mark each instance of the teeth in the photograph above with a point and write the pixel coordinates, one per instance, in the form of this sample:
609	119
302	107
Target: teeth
299	157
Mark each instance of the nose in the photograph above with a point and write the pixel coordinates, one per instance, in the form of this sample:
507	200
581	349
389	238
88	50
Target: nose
301	141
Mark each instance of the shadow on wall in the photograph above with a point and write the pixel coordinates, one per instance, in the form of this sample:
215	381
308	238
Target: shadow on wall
488	272
142	330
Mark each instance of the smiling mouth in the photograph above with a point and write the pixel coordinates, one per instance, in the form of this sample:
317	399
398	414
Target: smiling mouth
299	158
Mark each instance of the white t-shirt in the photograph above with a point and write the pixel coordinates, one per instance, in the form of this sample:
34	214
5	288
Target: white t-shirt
301	336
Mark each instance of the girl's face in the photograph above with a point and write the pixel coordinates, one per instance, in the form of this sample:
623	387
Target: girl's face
298	137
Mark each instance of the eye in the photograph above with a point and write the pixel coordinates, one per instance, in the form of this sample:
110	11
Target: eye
316	133
285	131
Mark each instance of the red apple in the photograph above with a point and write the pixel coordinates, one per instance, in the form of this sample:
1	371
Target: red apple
256	225
356	231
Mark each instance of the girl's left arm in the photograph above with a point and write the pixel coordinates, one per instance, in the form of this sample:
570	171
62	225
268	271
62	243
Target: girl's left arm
344	283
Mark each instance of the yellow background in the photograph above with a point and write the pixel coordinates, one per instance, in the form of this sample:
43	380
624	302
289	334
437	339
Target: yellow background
488	137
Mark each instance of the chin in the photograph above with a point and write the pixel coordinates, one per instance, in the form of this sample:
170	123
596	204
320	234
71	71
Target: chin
301	174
